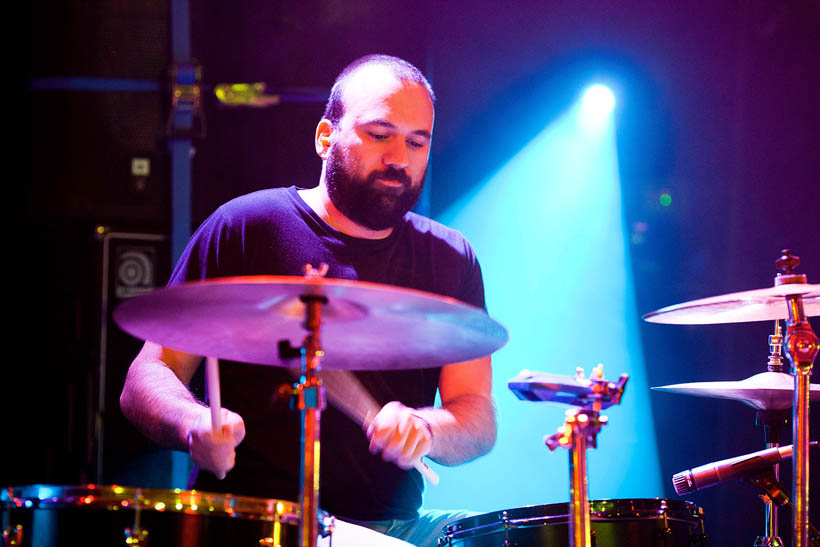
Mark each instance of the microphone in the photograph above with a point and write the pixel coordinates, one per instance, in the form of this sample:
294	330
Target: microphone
714	473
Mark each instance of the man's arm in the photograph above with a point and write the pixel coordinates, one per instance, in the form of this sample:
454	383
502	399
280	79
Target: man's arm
156	399
462	429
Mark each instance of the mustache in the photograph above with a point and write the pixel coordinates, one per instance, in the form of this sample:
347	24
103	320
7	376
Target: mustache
391	173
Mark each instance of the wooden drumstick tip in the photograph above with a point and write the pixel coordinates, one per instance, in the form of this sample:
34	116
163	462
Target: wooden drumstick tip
427	473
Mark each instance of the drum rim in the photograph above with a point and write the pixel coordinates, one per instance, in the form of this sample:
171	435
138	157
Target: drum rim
150	499
617	509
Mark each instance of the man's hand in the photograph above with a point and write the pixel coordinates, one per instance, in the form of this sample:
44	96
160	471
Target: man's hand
215	451
399	435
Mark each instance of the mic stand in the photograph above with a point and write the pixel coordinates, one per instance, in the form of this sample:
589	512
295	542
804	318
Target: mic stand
772	422
767	482
579	431
803	345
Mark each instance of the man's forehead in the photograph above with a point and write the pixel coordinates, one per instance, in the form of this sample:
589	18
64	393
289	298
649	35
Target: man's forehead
370	88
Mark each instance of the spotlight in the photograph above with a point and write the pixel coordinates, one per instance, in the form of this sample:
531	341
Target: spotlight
598	101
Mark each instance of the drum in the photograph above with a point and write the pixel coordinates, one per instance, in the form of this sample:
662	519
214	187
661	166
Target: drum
615	523
46	516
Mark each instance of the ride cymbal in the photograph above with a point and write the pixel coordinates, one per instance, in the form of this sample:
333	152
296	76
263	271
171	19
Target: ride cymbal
365	326
740	307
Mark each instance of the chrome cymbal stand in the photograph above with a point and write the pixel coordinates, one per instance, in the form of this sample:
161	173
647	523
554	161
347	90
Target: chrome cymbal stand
802	346
309	396
579	432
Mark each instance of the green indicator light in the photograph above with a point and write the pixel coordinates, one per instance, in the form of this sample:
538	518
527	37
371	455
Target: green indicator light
665	199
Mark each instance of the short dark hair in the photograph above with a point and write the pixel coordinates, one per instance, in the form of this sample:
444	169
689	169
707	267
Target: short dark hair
401	69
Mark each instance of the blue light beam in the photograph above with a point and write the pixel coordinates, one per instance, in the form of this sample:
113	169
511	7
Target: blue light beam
548	229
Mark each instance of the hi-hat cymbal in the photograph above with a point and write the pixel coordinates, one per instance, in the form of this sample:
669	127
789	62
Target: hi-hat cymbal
365	326
766	304
764	391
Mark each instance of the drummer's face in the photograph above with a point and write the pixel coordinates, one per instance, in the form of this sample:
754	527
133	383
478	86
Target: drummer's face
380	148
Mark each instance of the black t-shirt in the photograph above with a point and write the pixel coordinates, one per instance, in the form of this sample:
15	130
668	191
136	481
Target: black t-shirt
274	232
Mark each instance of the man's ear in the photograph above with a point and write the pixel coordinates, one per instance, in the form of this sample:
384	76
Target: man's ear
322	141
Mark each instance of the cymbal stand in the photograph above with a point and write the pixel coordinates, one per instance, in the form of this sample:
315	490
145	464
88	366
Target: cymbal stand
310	399
802	347
772	421
579	432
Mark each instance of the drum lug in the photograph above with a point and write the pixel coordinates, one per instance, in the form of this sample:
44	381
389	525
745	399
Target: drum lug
663	536
13	536
664	531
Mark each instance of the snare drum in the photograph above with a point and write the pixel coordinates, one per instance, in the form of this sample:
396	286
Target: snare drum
46	516
615	523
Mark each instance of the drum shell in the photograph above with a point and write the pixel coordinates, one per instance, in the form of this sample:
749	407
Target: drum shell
615	523
106	516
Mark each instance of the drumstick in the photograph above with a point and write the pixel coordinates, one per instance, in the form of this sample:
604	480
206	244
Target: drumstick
212	379
347	393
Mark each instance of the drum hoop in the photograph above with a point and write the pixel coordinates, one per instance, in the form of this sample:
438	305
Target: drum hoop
116	497
621	510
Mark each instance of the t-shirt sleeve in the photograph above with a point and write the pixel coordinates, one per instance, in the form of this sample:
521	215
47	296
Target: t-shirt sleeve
472	284
214	250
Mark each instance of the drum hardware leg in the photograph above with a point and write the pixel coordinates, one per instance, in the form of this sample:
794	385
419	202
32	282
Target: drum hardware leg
768	483
772	422
505	518
13	535
135	535
802	347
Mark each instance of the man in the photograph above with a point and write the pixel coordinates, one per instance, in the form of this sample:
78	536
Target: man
374	142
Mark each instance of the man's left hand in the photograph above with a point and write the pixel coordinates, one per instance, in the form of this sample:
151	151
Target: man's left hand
399	435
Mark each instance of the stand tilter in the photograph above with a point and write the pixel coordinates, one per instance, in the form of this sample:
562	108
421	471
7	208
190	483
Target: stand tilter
579	431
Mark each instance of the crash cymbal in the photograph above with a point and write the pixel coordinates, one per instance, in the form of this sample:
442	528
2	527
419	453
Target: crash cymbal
740	307
764	391
365	326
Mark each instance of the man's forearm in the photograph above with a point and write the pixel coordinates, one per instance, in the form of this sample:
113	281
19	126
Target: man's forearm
159	404
463	429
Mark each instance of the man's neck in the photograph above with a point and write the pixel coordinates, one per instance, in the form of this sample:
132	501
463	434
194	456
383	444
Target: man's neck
318	199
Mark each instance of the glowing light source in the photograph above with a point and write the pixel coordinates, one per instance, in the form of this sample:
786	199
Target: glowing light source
665	199
598	100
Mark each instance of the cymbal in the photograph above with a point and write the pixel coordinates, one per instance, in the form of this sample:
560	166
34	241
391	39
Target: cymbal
766	304
365	326
764	391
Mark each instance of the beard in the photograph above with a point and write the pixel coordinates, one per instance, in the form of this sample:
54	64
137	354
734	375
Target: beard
364	200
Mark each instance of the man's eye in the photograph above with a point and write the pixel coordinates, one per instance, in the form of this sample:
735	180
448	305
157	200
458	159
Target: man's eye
415	144
379	136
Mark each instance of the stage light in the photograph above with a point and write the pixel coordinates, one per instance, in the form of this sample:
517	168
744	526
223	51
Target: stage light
598	100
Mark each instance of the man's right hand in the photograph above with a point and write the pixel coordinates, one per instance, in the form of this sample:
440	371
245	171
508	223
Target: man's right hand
215	450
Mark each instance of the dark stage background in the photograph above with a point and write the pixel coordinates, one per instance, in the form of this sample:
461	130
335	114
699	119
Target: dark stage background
717	106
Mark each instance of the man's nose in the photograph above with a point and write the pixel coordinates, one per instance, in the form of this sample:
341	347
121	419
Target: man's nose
396	155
